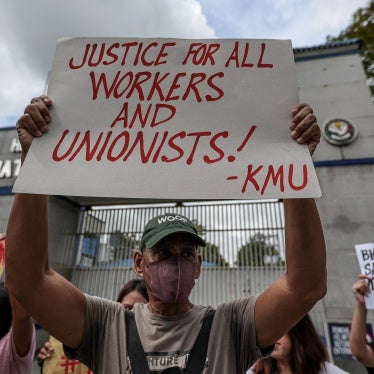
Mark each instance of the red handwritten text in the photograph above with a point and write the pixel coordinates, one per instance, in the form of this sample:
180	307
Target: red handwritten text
201	53
152	54
161	114
160	86
240	58
261	177
163	147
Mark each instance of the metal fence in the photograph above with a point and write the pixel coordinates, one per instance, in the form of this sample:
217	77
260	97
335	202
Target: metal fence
245	251
245	246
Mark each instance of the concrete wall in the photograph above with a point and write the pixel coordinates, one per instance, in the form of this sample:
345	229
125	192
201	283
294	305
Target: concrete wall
335	86
348	219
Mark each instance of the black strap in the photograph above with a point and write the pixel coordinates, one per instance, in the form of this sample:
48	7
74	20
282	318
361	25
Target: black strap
199	350
138	360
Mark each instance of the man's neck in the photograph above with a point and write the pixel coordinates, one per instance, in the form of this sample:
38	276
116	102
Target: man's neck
159	307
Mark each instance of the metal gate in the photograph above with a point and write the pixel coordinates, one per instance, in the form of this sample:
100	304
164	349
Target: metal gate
244	253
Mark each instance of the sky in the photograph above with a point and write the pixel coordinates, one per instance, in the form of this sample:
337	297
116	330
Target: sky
29	30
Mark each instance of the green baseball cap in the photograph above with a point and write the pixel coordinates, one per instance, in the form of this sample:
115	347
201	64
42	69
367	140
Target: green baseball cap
169	223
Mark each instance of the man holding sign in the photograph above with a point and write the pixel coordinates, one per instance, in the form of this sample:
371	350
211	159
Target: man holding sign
169	263
203	113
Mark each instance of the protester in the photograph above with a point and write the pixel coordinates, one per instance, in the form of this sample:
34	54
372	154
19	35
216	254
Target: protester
2	254
169	262
357	339
134	291
17	336
299	351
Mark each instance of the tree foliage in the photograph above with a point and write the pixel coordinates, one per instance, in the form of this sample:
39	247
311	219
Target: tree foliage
259	252
362	27
211	252
124	245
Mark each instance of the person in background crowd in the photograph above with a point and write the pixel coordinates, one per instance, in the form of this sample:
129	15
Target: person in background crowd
300	351
2	254
357	339
134	291
17	336
168	325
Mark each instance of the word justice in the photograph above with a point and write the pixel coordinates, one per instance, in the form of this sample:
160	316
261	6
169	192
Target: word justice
162	147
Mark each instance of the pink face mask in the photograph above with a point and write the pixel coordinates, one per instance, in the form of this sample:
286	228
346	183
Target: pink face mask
172	279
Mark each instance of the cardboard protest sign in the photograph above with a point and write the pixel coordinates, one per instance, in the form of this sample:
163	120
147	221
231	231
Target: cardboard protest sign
171	119
58	363
339	339
365	256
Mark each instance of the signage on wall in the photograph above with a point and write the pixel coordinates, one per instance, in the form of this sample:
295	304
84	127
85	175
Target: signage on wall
339	338
339	131
10	160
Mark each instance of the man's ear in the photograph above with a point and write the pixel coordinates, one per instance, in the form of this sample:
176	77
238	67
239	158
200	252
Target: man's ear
198	267
138	263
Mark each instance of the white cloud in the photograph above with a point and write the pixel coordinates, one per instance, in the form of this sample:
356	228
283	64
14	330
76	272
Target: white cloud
305	22
29	30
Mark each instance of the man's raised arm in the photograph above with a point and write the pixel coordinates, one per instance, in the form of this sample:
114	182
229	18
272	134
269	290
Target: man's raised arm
289	298
50	299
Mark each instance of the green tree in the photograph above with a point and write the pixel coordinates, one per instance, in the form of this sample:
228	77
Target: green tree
211	252
362	27
258	252
124	245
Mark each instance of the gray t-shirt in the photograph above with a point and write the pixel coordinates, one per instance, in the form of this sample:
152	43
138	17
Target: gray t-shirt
167	340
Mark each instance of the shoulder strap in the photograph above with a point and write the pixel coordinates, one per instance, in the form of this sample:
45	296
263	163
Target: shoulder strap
138	360
199	350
